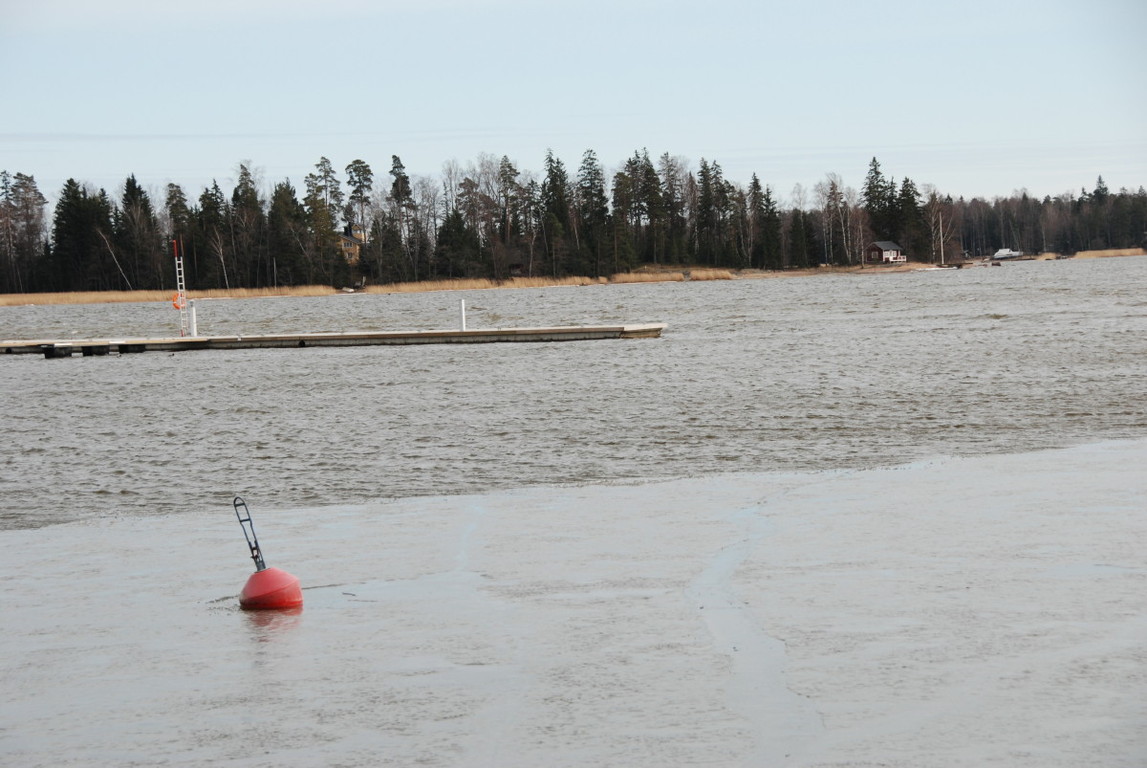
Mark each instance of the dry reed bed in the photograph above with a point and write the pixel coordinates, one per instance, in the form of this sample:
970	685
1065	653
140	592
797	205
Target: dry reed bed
646	275
483	284
123	297
113	297
1110	252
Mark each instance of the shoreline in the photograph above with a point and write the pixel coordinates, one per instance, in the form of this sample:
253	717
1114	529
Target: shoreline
644	274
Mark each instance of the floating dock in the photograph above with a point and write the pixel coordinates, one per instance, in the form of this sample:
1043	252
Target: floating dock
52	348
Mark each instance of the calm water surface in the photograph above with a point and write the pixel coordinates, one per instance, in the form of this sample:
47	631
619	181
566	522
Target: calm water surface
750	375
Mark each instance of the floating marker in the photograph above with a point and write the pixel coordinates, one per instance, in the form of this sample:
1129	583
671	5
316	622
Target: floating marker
268	588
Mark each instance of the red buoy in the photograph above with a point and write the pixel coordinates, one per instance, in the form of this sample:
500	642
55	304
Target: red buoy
267	588
270	588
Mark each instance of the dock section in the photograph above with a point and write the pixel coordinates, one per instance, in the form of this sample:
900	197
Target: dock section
52	348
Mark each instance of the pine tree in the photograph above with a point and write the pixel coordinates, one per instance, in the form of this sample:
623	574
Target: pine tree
178	214
509	195
401	192
324	203
360	179
22	231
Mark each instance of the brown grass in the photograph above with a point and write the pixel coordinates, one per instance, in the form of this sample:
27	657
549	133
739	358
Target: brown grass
482	284
671	274
113	297
644	275
123	297
647	277
1110	252
710	274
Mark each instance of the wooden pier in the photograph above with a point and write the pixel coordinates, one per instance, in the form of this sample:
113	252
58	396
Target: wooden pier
52	348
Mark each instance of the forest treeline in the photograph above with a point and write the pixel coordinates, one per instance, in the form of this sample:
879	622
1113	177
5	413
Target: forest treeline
490	219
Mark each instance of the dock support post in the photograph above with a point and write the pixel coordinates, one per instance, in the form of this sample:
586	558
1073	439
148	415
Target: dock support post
463	311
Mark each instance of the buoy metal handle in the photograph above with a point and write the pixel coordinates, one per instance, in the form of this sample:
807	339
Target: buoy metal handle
244	516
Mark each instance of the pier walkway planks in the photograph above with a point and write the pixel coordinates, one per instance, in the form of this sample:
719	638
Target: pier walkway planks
51	348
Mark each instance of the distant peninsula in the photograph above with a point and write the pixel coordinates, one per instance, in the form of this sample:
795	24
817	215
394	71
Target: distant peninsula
491	221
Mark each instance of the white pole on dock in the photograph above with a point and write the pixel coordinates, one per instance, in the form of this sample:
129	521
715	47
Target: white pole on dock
194	324
463	311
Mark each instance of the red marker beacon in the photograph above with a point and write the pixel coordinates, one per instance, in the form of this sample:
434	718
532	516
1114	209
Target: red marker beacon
268	588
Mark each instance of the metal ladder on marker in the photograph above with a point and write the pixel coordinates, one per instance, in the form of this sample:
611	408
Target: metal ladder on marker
181	293
244	516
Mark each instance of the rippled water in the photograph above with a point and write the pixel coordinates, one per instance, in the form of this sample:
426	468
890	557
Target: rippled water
750	375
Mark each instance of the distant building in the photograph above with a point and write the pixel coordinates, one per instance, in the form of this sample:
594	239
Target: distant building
351	242
884	252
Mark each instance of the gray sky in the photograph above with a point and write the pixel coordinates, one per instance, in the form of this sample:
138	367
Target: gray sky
979	98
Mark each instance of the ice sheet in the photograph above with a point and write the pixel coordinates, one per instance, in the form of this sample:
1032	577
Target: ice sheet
952	612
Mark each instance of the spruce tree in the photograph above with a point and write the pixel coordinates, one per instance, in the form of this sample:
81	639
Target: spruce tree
674	181
136	238
756	203
911	233
248	230
592	208
654	209
213	268
457	249
555	213
622	235
706	218
289	238
799	248
879	199
771	232
80	259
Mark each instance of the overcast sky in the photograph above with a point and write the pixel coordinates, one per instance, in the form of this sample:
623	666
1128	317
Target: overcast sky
979	98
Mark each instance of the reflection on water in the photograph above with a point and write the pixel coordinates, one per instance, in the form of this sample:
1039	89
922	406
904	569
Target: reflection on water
751	375
268	626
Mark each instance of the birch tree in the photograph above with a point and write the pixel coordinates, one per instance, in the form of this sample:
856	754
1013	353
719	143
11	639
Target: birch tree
942	224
